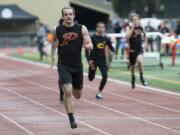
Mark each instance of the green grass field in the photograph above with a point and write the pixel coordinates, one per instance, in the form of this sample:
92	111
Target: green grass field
168	78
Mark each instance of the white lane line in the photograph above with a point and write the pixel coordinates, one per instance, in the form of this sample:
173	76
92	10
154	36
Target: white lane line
114	94
53	110
108	108
154	90
111	109
146	88
16	124
137	100
128	118
118	95
2	54
131	116
114	110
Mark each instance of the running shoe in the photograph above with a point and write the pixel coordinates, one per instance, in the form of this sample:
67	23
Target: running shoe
144	82
73	124
99	96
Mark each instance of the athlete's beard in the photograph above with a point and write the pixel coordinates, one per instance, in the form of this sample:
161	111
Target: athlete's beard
69	24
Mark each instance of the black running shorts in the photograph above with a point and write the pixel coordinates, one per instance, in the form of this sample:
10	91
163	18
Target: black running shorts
71	75
133	57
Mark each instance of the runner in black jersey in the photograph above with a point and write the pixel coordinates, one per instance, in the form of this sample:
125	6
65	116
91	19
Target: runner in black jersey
135	38
97	57
72	37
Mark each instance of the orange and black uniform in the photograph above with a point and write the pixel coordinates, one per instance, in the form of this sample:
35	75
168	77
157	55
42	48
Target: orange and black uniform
135	44
70	67
99	58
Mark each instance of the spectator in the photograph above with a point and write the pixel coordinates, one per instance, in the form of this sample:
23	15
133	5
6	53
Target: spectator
117	29
165	29
149	28
41	38
123	43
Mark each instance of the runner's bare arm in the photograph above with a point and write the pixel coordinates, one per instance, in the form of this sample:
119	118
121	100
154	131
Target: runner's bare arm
130	32
87	43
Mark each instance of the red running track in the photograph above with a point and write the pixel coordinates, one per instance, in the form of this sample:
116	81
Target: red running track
29	106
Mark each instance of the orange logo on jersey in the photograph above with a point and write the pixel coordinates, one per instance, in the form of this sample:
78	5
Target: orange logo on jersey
69	37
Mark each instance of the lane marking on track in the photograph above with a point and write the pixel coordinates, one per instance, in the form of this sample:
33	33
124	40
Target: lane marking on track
16	124
125	97
137	100
52	110
148	89
117	111
154	78
108	108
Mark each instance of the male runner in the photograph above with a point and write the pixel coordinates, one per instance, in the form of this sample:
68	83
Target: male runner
97	57
135	39
72	37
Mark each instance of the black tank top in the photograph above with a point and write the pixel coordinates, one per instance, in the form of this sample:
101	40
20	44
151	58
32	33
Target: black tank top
99	44
135	40
70	45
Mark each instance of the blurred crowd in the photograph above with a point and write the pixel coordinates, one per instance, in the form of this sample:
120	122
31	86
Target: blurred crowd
43	40
167	28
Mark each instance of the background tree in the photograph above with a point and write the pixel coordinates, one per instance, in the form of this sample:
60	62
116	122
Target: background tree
146	8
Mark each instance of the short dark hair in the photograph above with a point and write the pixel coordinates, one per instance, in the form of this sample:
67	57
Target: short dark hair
100	23
133	15
62	11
